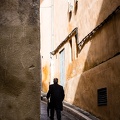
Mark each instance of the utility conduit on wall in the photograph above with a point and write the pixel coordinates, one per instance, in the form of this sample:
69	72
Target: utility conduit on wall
92	33
89	36
74	32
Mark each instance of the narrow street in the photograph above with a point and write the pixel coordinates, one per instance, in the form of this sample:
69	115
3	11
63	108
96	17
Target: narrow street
65	115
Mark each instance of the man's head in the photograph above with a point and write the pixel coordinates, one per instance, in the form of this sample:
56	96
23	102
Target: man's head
55	80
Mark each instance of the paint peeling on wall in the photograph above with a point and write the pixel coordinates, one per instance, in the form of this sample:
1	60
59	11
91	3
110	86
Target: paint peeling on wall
45	78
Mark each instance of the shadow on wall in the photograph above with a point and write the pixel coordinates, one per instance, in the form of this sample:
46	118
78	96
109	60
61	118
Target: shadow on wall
10	84
104	45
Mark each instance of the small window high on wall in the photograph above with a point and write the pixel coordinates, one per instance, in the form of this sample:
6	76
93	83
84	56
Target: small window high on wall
73	48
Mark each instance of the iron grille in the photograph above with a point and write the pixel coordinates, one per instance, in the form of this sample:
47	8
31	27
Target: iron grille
102	96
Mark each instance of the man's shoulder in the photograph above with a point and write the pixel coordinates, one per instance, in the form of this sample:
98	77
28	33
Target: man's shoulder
52	85
60	86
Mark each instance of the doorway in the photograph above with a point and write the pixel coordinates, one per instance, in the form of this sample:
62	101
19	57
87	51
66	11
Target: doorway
62	67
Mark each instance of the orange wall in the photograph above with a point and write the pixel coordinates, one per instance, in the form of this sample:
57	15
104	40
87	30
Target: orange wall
96	65
86	74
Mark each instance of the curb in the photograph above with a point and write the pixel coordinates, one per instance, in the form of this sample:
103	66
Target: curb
79	113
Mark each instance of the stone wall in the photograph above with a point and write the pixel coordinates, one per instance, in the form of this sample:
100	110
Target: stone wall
19	60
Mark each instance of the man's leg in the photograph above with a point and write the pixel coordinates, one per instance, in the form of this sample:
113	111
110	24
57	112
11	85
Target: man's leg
52	113
58	112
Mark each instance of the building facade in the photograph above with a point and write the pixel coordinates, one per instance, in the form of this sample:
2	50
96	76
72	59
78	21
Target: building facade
86	53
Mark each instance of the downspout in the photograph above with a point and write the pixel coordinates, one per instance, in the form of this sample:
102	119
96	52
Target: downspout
52	43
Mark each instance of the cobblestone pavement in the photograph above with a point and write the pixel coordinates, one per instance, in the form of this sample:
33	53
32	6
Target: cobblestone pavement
65	115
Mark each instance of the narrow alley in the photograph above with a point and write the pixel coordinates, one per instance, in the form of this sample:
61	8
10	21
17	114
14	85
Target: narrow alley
70	112
74	44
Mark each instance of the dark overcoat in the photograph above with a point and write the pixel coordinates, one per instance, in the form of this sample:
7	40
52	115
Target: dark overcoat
56	95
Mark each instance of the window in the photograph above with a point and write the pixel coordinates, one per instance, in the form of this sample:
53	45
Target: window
73	48
70	42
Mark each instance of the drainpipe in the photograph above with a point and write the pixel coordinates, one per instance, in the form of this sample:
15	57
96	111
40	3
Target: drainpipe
52	43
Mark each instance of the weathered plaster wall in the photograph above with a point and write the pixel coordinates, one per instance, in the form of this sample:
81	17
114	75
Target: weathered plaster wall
96	66
46	39
19	60
105	75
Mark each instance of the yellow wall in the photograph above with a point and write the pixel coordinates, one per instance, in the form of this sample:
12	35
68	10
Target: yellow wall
96	67
107	76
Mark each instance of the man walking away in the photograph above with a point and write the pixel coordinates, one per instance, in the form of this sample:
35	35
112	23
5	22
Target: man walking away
56	95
